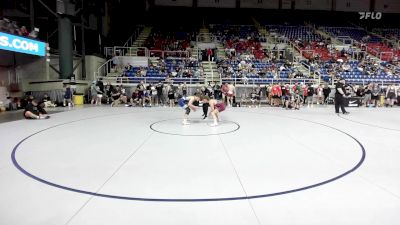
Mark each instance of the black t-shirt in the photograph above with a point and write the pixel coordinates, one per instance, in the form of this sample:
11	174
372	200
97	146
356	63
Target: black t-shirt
140	88
159	89
115	94
100	85
283	88
171	90
339	86
310	91
326	91
34	109
109	89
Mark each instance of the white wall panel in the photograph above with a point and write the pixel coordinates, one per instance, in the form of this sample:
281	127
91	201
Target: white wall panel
352	5
188	3
387	6
313	4
286	4
264	4
217	3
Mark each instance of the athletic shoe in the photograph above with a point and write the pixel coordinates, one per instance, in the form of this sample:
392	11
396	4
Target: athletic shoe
185	123
41	117
346	113
214	125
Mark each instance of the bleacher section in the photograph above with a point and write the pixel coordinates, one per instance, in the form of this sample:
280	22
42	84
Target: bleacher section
356	75
244	39
382	51
178	69
170	40
255	72
292	33
354	33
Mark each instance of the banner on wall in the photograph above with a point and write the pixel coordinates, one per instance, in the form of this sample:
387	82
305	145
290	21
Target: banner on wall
15	43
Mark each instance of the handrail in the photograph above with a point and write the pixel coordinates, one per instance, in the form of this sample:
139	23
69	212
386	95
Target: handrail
350	28
145	79
123	51
238	80
134	36
103	69
163	53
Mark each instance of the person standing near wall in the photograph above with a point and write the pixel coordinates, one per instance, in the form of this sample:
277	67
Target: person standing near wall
68	96
340	97
391	95
209	54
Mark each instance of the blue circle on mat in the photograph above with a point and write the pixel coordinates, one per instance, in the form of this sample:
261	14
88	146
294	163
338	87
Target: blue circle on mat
132	198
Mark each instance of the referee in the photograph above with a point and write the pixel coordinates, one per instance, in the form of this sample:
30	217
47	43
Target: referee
339	96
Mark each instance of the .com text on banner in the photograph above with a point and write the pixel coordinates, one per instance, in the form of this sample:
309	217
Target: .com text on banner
24	45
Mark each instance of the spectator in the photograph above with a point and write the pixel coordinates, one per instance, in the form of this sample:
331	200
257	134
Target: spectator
171	95
24	31
231	94
135	99
310	96
367	95
210	55
154	95
47	102
184	89
375	91
326	90
141	89
68	97
160	96
147	99
391	95
320	95
34	111
119	96
94	92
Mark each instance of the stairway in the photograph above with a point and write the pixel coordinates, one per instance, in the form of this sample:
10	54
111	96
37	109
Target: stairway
195	52
204	35
210	72
325	35
261	29
139	41
220	51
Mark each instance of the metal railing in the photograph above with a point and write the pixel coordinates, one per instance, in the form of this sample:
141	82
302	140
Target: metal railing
138	30
164	54
256	81
367	81
379	54
343	39
104	69
126	51
143	51
145	79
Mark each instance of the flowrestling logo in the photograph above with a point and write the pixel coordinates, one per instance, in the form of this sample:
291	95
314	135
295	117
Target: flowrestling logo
370	15
24	45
